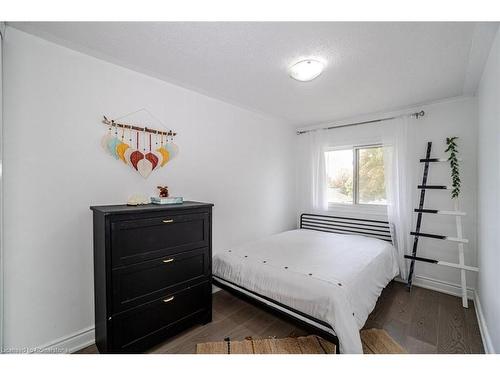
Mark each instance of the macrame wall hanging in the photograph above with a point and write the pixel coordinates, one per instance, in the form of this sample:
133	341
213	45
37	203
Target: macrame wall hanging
141	148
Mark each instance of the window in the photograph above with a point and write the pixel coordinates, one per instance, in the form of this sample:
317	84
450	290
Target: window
356	175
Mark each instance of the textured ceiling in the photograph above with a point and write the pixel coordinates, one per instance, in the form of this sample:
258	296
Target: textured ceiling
370	67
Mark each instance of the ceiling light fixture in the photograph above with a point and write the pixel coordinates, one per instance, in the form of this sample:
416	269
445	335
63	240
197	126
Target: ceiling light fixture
306	70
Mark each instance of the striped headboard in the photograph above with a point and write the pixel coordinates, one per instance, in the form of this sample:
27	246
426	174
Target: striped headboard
347	225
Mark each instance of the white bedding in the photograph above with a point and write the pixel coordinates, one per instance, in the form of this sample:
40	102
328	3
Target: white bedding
332	277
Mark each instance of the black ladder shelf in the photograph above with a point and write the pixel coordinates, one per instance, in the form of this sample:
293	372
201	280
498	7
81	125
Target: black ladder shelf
417	233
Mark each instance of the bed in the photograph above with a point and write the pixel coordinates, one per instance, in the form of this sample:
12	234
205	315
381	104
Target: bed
327	275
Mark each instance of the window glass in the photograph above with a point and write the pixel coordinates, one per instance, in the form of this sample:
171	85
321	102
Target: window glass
371	182
356	176
339	175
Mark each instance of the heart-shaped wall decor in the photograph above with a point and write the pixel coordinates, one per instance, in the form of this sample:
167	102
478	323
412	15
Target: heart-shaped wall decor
112	143
126	155
137	151
164	147
120	151
152	158
144	167
165	155
135	157
159	155
172	149
104	141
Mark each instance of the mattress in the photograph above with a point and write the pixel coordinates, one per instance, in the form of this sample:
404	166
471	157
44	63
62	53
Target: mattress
335	278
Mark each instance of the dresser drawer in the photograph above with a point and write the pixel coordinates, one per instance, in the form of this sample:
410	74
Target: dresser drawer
159	317
137	240
143	282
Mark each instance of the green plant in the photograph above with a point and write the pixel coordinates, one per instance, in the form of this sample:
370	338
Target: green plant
455	175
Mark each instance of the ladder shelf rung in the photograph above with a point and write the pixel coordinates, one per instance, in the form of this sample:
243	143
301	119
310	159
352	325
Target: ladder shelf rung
456	239
433	187
439	237
442	263
421	234
440	212
459	266
426	210
436	160
421	259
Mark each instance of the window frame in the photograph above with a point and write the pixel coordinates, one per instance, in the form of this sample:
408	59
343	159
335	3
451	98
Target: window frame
355	205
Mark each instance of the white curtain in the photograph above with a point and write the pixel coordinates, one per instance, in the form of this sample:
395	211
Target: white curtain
398	186
394	135
312	171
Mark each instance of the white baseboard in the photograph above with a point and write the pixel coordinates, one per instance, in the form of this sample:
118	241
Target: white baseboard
488	345
215	289
71	343
440	286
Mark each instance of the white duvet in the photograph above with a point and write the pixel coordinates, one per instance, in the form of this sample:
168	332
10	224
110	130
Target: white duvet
332	277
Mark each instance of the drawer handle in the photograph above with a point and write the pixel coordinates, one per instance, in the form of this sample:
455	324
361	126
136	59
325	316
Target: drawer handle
169	299
168	260
168	221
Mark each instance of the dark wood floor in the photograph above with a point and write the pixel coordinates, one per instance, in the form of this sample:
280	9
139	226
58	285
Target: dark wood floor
425	321
422	321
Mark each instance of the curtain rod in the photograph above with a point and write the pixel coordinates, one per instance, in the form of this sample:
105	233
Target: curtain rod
414	114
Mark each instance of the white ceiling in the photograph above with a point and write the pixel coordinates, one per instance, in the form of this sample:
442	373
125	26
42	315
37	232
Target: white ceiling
370	67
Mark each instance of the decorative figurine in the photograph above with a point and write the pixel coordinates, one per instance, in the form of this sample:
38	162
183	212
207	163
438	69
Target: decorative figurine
163	191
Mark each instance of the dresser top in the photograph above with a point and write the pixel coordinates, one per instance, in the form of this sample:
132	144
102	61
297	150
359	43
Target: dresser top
124	209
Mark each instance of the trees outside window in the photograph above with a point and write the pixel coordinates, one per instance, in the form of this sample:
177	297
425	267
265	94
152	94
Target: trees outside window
356	175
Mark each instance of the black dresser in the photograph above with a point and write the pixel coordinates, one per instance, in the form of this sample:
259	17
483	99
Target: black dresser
152	273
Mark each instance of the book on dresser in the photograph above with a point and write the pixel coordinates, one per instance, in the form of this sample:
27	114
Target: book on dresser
152	273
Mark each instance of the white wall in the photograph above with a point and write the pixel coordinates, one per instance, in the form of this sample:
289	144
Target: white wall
452	117
2	31
55	169
488	197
